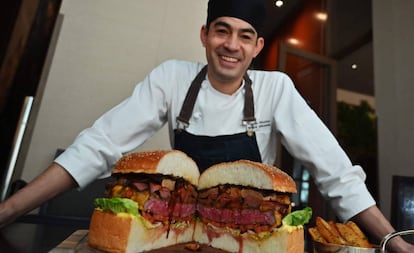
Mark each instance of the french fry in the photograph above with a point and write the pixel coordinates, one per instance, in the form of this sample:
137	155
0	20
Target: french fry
316	236
334	229
339	233
348	234
362	239
355	228
327	233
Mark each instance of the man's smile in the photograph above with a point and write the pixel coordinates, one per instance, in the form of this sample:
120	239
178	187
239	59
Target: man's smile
229	58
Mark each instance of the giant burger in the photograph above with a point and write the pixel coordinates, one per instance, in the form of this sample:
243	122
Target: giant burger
159	199
245	206
150	204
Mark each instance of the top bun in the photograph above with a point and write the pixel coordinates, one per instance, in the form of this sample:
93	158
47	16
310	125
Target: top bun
247	173
166	162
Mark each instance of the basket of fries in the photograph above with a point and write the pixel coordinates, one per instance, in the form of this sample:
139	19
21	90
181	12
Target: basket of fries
329	236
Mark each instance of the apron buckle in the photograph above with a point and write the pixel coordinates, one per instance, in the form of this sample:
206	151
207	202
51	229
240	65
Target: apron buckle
181	125
250	126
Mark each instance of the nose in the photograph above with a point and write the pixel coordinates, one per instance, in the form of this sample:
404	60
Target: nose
232	42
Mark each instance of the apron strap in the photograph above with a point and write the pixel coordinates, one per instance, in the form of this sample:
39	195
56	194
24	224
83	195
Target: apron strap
191	96
248	110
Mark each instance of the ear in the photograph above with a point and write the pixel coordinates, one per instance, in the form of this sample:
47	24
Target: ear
259	46
203	35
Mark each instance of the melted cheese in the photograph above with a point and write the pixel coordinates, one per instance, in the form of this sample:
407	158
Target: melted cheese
125	215
289	229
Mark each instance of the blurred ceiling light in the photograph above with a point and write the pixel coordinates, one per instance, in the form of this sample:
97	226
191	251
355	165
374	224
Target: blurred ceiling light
279	3
322	16
293	41
354	66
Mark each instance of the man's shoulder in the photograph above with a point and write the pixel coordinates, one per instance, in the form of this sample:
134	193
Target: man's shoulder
174	63
268	76
177	71
266	73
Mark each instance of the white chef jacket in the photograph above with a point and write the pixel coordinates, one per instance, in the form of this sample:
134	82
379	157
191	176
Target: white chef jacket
279	108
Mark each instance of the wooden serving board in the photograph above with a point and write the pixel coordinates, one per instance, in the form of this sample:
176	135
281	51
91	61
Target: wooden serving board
78	243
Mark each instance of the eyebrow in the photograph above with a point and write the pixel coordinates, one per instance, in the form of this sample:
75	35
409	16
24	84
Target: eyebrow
228	26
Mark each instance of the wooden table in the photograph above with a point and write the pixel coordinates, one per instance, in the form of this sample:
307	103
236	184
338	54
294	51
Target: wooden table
78	243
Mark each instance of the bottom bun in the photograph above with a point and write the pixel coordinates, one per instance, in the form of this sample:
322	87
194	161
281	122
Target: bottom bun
127	234
285	239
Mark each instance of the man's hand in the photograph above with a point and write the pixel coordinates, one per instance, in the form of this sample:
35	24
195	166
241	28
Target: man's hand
52	182
375	223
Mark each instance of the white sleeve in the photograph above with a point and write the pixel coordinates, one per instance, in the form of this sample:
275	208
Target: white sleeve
120	130
307	138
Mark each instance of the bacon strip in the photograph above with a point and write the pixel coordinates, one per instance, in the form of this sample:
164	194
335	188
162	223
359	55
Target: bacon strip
242	208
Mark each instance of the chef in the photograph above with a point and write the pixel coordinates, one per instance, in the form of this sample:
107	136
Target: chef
217	112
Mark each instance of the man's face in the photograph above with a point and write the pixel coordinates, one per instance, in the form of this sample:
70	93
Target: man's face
231	44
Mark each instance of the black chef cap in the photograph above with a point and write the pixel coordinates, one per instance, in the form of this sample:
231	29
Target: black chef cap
251	11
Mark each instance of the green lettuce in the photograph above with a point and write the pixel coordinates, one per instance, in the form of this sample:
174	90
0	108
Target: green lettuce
117	205
298	218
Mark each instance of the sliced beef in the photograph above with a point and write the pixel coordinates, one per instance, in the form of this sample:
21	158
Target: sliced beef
161	198
242	207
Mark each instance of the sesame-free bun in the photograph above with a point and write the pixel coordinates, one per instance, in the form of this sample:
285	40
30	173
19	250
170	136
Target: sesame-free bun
128	234
283	240
247	173
166	162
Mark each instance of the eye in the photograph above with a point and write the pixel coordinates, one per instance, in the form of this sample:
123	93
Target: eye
221	31
247	36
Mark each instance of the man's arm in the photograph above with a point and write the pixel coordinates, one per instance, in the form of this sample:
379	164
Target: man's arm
53	181
373	221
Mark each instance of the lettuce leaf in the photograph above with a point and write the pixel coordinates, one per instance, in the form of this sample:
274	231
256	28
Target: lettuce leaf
299	217
117	205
